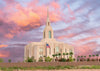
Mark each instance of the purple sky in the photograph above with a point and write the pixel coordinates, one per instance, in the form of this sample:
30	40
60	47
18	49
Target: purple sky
76	22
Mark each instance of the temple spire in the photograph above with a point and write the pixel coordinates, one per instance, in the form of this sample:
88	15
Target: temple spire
48	21
47	12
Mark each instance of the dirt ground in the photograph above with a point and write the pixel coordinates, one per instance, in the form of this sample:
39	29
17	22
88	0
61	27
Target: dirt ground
47	64
64	70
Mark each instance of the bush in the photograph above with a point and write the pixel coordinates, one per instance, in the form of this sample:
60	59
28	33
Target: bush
73	59
70	59
67	60
48	59
9	60
40	59
62	60
30	59
92	59
88	59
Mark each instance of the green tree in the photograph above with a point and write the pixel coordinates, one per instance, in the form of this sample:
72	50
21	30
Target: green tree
9	60
1	60
54	56
84	58
71	53
59	54
93	55
67	55
64	55
78	58
97	56
89	55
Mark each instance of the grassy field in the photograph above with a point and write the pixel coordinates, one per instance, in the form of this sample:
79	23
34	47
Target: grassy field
52	67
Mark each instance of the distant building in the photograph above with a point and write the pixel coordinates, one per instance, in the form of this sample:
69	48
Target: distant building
47	46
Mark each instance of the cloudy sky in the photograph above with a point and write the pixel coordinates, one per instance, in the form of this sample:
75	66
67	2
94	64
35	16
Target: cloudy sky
76	22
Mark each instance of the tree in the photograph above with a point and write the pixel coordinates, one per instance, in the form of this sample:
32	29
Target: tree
59	54
97	56
9	60
1	60
64	55
54	56
67	55
84	58
90	56
81	58
78	58
93	55
71	53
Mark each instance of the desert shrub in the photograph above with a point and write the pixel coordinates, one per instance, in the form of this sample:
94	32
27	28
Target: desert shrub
92	59
9	60
40	59
48	59
67	60
88	59
30	59
71	59
62	60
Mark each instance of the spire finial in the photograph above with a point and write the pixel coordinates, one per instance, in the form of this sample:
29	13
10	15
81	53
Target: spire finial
47	12
48	21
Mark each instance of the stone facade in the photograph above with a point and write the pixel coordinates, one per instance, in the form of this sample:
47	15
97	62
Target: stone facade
39	49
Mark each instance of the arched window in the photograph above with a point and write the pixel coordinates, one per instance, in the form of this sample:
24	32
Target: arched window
57	49
49	34
66	50
70	50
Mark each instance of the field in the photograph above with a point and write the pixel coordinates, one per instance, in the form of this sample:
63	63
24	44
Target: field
51	66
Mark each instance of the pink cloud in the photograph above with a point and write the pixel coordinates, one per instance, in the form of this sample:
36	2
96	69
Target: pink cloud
1	46
4	54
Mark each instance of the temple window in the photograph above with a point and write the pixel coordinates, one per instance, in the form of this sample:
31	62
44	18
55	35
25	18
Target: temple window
40	52
70	50
57	49
65	50
49	34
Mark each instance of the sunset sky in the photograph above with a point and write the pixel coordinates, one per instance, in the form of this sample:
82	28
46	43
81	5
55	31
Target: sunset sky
76	22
